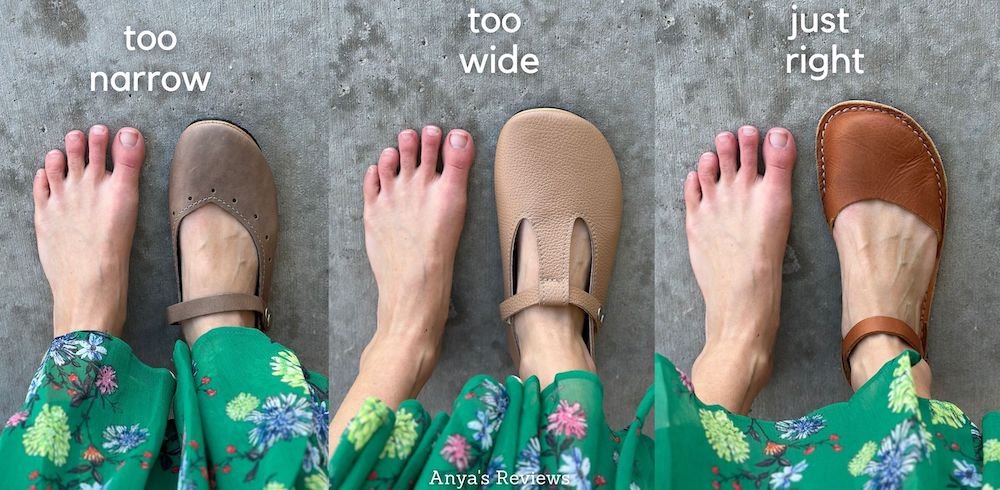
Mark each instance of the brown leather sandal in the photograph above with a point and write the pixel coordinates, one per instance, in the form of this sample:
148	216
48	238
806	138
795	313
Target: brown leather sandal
218	163
553	168
865	151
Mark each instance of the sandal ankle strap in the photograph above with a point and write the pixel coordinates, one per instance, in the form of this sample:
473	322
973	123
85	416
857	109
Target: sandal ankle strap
877	325
531	297
187	310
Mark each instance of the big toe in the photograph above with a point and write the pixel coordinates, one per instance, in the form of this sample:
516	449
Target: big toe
459	152
128	152
779	156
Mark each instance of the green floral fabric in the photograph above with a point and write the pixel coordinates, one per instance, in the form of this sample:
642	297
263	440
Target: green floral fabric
885	437
499	436
246	415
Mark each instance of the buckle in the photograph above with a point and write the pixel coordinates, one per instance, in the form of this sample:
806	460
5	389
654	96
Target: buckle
600	313
265	320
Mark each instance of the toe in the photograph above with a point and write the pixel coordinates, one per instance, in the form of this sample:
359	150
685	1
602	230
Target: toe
430	147
388	166
725	146
128	152
55	169
692	191
749	139
779	156
708	172
408	147
459	152
40	188
97	151
76	152
370	184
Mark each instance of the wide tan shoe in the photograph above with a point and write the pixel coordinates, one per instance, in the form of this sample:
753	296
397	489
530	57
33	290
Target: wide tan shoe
554	168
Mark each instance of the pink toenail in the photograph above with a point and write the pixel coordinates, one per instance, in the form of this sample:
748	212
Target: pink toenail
99	129
458	140
128	138
433	130
749	131
778	139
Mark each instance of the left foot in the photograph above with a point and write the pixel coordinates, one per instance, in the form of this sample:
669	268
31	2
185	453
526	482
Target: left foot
84	220
737	227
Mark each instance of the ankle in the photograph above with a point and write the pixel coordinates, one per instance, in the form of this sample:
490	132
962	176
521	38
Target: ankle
194	328
871	354
545	360
731	374
398	368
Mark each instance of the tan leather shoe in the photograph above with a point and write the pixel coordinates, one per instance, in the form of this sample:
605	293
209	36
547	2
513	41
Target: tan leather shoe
218	163
554	168
864	151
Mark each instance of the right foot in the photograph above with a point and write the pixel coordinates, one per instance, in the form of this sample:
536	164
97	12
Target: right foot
737	227
550	338
217	257
887	259
413	219
84	221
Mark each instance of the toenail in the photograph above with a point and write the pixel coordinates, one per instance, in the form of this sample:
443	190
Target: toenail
707	155
75	136
778	139
433	130
409	134
99	129
748	130
458	140
128	138
54	153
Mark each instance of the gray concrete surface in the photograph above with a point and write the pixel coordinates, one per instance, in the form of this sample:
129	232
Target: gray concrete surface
397	67
720	64
268	64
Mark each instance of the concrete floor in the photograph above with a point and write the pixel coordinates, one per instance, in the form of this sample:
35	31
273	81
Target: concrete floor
333	82
720	64
266	60
392	71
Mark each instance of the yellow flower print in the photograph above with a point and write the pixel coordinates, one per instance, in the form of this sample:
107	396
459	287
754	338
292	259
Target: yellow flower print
947	413
372	415
728	442
287	367
242	406
403	437
49	435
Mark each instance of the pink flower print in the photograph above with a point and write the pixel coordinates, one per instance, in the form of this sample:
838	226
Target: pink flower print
17	418
568	420
685	379
107	380
456	451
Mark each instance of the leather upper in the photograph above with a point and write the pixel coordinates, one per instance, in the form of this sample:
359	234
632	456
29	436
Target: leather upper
219	163
866	151
553	167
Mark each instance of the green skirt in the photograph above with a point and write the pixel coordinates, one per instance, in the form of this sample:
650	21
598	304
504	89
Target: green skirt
502	436
245	415
885	437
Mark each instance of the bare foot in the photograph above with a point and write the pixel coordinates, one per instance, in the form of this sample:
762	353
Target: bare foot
550	338
84	221
217	257
737	227
886	262
413	219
